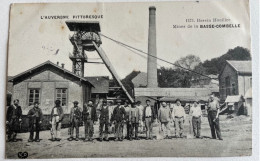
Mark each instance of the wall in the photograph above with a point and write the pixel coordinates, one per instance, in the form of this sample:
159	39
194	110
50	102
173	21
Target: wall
244	83
48	81
228	71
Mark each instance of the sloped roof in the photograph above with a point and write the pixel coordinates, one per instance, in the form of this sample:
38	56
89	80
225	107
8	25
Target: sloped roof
140	80
242	67
45	64
101	84
185	98
233	99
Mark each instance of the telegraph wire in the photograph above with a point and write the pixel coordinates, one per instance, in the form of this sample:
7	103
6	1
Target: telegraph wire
128	46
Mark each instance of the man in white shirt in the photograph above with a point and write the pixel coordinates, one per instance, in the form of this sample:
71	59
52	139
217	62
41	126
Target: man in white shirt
148	118
179	115
195	113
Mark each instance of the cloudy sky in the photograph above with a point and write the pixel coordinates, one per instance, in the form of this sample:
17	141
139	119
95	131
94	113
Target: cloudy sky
34	40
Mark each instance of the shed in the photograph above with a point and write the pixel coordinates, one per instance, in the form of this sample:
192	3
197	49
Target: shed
235	104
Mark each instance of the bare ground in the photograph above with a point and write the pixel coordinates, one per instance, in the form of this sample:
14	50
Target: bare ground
236	132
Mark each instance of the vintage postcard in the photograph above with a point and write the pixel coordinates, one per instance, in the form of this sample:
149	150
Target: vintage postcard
129	79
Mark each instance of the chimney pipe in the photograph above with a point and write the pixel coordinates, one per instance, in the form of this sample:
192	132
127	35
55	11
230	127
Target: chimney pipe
152	81
62	65
57	63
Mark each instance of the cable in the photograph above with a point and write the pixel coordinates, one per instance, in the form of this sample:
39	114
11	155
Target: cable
125	45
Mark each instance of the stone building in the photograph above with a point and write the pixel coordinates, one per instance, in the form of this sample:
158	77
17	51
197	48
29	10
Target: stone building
235	79
47	82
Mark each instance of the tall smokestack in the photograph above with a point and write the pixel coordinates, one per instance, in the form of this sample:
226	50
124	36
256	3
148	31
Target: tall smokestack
152	61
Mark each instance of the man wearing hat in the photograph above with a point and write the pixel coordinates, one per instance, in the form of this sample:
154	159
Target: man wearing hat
164	116
56	119
75	119
179	115
196	114
148	118
13	120
134	119
104	121
89	116
127	125
35	120
118	118
213	114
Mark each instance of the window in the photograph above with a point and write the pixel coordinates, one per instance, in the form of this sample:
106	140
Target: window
61	94
227	83
34	96
233	89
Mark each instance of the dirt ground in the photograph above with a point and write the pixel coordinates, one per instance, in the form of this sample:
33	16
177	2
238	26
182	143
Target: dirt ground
236	132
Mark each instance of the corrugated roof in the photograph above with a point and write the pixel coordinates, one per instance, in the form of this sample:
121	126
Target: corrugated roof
101	84
235	98
241	66
172	92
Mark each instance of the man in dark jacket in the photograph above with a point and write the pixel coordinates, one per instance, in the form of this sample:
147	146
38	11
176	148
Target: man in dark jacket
56	119
104	121
75	119
118	117
148	118
35	120
13	120
89	116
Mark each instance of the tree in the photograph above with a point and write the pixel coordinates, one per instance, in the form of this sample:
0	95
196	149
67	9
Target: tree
188	62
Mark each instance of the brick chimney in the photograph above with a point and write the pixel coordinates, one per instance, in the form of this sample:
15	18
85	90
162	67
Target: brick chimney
62	65
152	81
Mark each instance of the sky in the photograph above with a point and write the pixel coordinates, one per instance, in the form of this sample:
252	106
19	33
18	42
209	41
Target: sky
33	40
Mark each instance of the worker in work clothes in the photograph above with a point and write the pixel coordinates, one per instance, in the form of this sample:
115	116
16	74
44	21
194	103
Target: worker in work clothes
89	116
134	120
179	115
127	125
141	111
148	118
35	121
213	117
104	121
13	120
56	119
75	119
118	118
164	116
196	114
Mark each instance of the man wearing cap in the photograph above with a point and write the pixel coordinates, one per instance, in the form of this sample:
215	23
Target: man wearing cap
104	121
56	119
35	120
148	118
75	119
141	111
89	116
164	116
213	114
134	119
179	115
118	118
13	120
127	121
196	114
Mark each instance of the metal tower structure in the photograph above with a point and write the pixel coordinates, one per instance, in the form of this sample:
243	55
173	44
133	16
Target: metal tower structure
86	37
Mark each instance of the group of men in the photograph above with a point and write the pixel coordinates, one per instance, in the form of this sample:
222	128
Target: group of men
121	115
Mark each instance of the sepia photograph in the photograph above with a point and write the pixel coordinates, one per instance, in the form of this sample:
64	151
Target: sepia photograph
129	80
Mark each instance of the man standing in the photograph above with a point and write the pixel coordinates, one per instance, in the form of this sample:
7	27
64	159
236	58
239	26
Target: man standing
213	114
127	123
35	120
179	114
56	119
118	117
13	120
196	114
75	119
134	119
148	118
164	116
141	111
104	121
89	116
